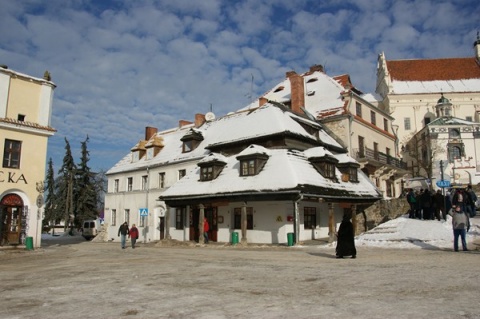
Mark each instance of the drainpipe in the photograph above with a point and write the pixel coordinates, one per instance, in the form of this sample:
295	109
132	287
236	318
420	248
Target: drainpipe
296	220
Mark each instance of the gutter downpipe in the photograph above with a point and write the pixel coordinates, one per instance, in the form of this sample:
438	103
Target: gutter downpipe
296	220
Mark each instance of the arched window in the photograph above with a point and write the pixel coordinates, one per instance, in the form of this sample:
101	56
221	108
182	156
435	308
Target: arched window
453	133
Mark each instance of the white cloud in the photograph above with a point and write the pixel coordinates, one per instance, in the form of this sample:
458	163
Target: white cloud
121	66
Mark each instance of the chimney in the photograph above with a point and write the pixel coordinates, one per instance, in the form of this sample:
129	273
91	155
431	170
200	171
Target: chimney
149	132
182	123
199	119
297	92
317	67
290	73
262	101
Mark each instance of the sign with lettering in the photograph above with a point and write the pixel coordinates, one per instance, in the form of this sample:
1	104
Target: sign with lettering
12	177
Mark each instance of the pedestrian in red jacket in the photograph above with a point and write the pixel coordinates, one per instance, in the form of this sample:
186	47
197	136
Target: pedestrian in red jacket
133	234
206	228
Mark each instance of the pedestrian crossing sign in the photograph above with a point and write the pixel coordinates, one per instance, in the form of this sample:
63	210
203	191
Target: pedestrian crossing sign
143	211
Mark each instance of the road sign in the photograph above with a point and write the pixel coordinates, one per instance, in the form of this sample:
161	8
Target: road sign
143	211
443	183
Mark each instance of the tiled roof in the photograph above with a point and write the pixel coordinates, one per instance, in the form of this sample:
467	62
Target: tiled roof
434	69
27	124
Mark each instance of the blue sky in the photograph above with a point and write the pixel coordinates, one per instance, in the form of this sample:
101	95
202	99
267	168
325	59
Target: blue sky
120	66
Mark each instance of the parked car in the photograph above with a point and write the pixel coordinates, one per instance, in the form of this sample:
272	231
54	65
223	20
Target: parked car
90	228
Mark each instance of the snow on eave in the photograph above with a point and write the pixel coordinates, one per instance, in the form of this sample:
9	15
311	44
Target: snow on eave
451	86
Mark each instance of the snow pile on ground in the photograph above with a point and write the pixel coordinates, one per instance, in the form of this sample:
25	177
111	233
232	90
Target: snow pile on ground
404	232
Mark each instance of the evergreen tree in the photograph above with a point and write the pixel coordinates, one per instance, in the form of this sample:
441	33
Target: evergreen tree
86	196
65	187
51	213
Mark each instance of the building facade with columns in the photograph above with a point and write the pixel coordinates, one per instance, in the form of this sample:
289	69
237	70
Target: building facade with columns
409	91
25	113
283	175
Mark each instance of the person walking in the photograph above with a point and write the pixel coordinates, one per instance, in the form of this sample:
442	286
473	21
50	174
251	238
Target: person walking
206	228
133	234
346	239
123	232
472	200
460	223
438	204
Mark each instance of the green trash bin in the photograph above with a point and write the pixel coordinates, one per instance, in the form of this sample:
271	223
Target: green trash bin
290	239
29	243
234	238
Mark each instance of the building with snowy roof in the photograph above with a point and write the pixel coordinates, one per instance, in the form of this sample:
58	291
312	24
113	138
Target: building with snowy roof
349	115
409	91
260	173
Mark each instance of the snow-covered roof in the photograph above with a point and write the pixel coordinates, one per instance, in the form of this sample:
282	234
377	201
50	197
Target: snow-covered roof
451	86
284	171
237	127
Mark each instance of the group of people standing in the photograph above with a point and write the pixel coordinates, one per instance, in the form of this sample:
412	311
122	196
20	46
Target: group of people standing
428	205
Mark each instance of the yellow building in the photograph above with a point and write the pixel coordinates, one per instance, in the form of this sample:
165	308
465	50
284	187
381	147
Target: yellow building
25	113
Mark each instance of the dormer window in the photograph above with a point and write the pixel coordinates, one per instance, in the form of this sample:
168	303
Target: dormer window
324	162
280	88
191	140
154	146
211	166
252	160
312	80
349	171
138	151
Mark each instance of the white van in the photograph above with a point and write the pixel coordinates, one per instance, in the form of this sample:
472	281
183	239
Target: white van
90	228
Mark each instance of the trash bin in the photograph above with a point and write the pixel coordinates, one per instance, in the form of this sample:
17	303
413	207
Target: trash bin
290	239
29	243
234	238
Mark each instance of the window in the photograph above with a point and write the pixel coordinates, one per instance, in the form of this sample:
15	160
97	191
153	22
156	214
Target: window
247	167
11	154
181	173
353	174
373	118
129	184
309	218
237	213
127	216
179	218
469	118
145	182
453	133
427	120
359	109
375	151
453	153
406	123
21	117
115	186
206	173
191	140
385	124
161	180
114	217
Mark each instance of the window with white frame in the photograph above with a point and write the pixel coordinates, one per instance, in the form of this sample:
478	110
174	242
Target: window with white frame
161	180
144	182
115	185
406	123
129	184
181	173
127	216
114	217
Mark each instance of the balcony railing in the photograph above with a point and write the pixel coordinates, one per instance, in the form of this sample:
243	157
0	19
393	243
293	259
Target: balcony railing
368	154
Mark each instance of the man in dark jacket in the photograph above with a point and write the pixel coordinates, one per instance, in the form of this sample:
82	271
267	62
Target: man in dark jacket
438	204
123	232
346	239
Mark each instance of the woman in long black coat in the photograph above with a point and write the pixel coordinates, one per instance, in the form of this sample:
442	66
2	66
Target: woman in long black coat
346	239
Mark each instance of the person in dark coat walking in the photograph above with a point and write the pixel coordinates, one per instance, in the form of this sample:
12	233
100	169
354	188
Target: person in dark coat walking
133	234
346	239
123	232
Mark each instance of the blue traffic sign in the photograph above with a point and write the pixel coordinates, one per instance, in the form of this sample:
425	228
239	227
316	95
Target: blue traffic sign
443	184
143	211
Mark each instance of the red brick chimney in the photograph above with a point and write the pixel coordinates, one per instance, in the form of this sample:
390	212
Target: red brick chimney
317	67
199	119
262	101
297	93
182	123
149	132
